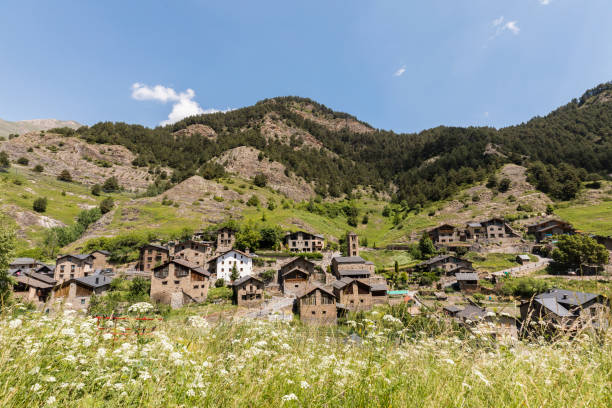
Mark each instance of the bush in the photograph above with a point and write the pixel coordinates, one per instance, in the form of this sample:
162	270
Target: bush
65	176
106	205
253	201
96	190
365	219
260	180
219	283
524	287
4	160
504	184
268	275
220	293
524	207
38	168
23	161
218	199
111	185
40	204
140	288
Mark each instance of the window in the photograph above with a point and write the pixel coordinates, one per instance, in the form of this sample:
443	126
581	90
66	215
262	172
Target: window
257	296
313	312
164	282
177	282
195	286
72	267
62	268
324	312
82	301
243	297
297	286
71	275
361	300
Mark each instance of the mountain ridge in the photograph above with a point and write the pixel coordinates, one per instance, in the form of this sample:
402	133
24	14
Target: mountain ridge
32	125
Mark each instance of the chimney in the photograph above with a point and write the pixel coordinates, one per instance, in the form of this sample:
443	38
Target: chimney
247	251
97	280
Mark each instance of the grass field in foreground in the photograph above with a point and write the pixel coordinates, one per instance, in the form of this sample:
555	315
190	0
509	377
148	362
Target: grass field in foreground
66	362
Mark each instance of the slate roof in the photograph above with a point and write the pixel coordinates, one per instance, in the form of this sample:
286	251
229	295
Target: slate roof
313	287
23	261
339	284
474	224
567	297
157	246
436	259
524	257
452	308
227	252
202	271
94	281
102	251
379	287
472	312
26	280
466	276
244	279
80	257
349	259
354	272
41	277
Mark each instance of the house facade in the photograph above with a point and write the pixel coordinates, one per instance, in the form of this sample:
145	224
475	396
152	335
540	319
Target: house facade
223	264
545	229
494	229
78	291
317	306
100	259
467	282
178	282
248	291
194	252
444	234
301	241
33	286
69	267
353	294
152	255
226	239
295	275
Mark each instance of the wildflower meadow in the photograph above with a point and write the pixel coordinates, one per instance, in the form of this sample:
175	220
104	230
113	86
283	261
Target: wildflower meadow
68	360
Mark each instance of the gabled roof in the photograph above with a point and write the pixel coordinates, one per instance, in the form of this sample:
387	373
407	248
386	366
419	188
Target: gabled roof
202	271
568	297
102	251
290	233
354	272
177	261
379	287
156	246
294	270
466	276
349	259
553	306
472	312
245	279
228	251
452	308
35	283
313	287
80	257
296	259
443	226
94	281
474	224
524	257
41	277
23	261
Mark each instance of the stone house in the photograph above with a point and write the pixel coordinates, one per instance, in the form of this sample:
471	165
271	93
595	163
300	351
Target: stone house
248	291
295	275
467	282
494	229
100	259
33	286
352	266
226	239
69	267
450	264
78	291
195	252
567	309
523	259
353	294
444	234
222	264
152	255
545	229
178	282
316	305
301	241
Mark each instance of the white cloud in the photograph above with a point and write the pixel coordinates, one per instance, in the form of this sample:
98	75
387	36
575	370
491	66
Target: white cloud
183	103
501	25
544	2
400	71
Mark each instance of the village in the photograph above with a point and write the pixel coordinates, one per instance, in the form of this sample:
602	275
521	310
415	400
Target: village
324	287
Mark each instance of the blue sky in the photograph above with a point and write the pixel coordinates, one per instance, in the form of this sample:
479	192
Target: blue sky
400	65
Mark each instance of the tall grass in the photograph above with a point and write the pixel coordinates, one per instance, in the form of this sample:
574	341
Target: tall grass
66	361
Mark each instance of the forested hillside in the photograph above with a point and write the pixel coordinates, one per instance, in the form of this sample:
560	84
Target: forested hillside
338	153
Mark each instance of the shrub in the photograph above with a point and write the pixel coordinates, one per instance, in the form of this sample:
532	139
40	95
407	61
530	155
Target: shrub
23	161
38	168
524	207
504	184
107	205
365	219
40	204
260	180
96	189
218	199
219	293
65	176
4	160
111	185
268	275
219	283
253	201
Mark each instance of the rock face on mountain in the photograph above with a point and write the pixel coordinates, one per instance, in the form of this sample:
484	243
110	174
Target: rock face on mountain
87	163
24	126
244	161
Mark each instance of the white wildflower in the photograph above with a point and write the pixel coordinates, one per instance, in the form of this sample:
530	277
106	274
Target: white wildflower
304	385
15	323
35	387
289	397
51	400
107	336
190	393
50	378
101	352
141	307
449	361
481	376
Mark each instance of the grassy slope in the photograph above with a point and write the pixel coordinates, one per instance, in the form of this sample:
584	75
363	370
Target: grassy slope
594	218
